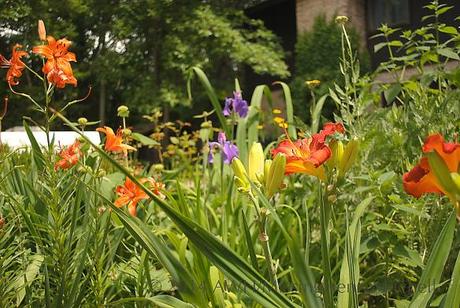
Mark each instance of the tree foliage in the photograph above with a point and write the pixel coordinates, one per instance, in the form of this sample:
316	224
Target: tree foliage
139	53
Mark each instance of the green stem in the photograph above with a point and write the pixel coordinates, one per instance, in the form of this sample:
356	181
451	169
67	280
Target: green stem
325	256
263	238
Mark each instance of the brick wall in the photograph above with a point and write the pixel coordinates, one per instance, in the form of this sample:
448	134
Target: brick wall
307	10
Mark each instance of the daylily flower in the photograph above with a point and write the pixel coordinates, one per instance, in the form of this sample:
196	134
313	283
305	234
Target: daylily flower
57	67
114	143
14	65
422	178
69	156
130	194
228	149
309	154
237	104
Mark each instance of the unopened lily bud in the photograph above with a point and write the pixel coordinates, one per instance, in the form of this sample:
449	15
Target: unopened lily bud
241	176
350	153
267	165
82	121
123	111
337	150
275	175
456	178
256	161
41	30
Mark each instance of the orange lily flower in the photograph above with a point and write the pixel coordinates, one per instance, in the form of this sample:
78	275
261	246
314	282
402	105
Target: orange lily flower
69	156
421	179
114	143
57	67
14	65
131	194
307	155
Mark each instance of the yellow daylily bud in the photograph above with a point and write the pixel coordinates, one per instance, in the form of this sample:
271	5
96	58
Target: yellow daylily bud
241	177
456	178
350	153
267	165
275	175
256	161
337	153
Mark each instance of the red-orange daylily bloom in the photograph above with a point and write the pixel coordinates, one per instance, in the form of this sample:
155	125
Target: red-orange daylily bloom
57	67
14	65
421	179
69	156
114	143
130	194
307	155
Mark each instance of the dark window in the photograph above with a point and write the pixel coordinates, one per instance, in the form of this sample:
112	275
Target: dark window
390	12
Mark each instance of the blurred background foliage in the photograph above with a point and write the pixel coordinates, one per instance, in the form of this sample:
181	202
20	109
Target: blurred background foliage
138	53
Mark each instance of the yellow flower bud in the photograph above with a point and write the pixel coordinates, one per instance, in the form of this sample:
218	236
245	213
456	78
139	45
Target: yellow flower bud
312	83
337	150
267	166
275	175
341	20
256	161
82	121
456	178
241	177
350	153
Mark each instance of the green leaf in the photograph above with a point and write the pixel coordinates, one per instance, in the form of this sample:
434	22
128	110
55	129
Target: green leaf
379	46
144	140
448	29
316	116
448	53
435	265
36	150
349	272
392	92
289	109
411	210
453	294
212	97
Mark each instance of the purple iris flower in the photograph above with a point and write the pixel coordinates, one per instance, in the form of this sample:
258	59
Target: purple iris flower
228	149
237	104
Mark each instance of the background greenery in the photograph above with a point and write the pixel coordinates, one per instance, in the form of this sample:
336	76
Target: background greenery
139	53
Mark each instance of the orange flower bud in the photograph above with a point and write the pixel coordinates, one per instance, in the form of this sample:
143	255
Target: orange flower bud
41	30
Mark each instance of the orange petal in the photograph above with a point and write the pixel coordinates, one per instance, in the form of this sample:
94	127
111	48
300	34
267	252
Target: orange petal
420	180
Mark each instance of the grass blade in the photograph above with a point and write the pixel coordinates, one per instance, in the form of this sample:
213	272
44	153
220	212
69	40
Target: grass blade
433	270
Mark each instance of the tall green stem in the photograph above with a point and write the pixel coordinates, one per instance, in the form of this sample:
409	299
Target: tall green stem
263	238
324	224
